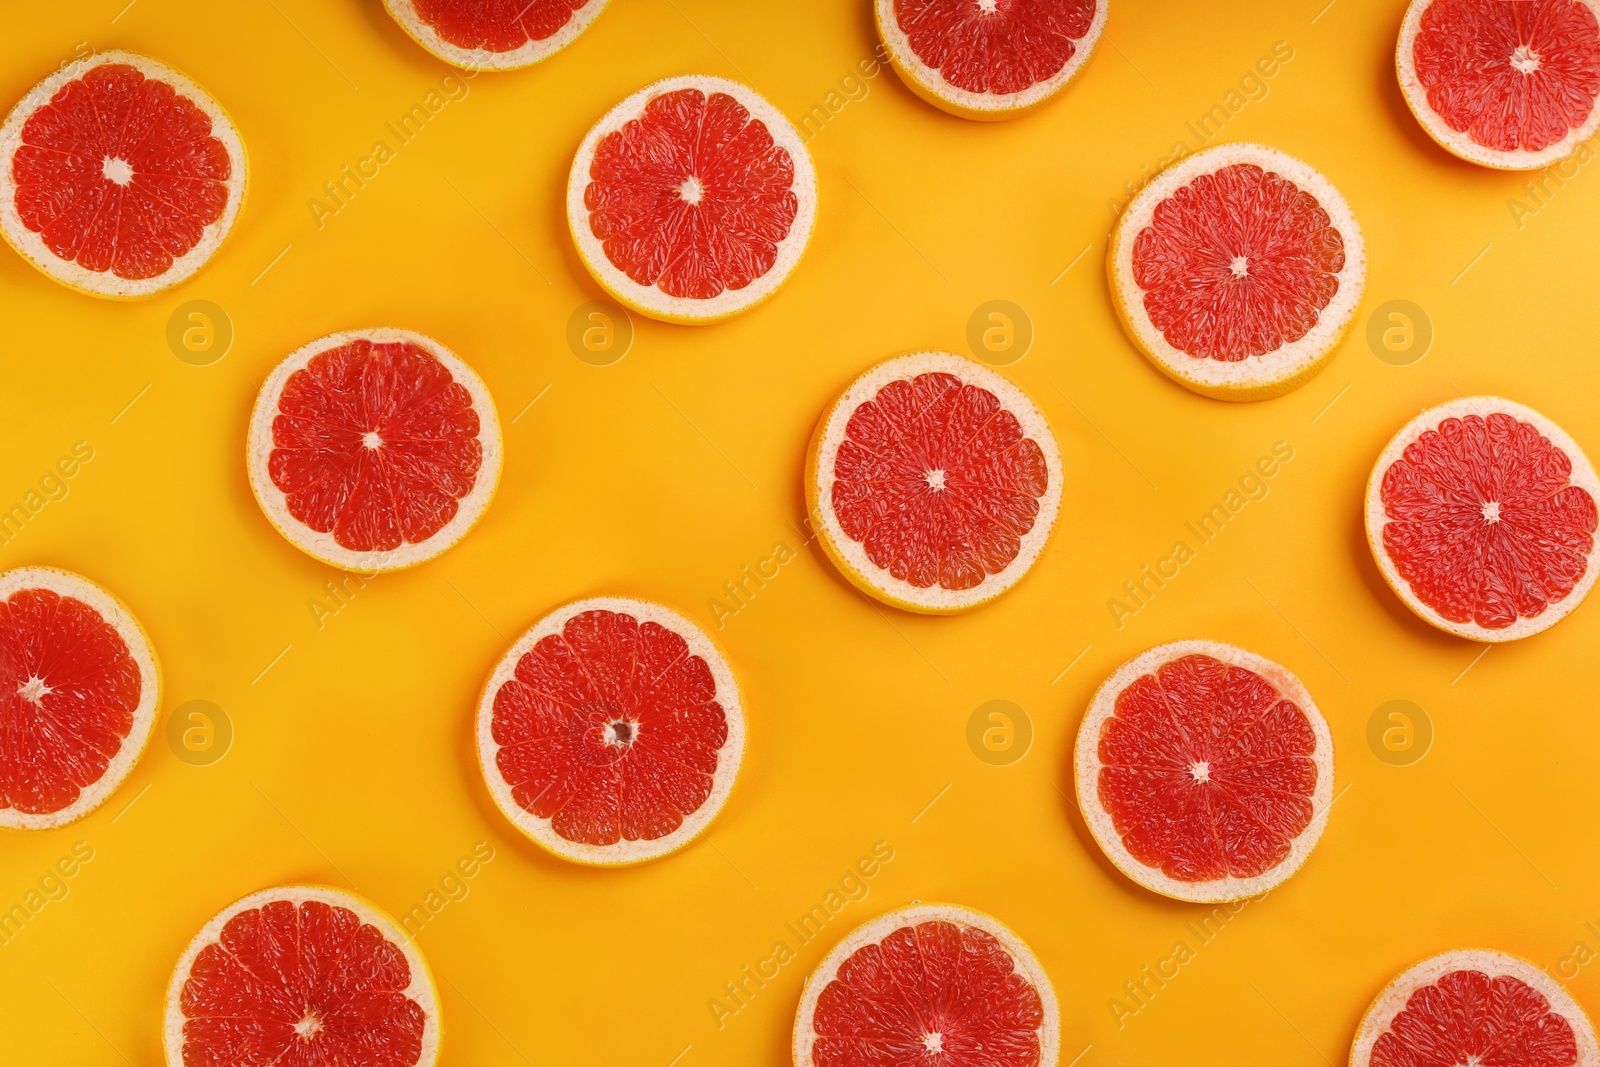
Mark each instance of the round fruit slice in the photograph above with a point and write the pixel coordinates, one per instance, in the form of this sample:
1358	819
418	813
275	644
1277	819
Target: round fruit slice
1481	515
79	689
611	732
933	483
302	975
494	34
692	200
374	450
1237	271
928	984
1473	1006
119	177
1205	772
1506	85
989	59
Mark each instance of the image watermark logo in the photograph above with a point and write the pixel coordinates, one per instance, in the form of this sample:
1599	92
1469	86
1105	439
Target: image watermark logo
999	732
453	886
1399	733
1399	332
51	887
600	332
199	733
999	332
199	333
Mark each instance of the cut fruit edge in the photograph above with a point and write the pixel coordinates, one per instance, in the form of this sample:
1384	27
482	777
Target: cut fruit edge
104	283
875	930
140	649
323	546
1583	476
1389	1003
1256	377
422	989
929	83
624	852
1086	765
649	300
530	52
850	556
1458	142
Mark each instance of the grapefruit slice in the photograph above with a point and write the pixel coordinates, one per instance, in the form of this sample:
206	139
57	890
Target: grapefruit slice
119	177
1237	271
374	450
494	34
989	59
933	482
302	974
1473	1006
1505	85
79	689
1205	772
611	732
928	984
1481	516
692	200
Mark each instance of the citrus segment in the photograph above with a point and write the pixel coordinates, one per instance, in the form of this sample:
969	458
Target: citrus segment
1237	271
1204	772
691	200
1481	515
79	689
989	59
928	984
611	732
936	482
302	975
120	177
374	449
494	34
1473	1006
1506	85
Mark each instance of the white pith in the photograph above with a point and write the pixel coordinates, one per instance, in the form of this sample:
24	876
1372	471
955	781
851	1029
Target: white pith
323	546
1583	476
852	555
113	611
870	933
1087	765
529	53
104	283
930	83
1254	376
1459	143
624	852
1392	1001
422	989
650	299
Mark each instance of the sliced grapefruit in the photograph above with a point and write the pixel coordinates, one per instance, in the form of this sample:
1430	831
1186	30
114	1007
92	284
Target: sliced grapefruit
79	689
933	482
1481	516
1505	85
302	974
928	984
989	59
1473	1006
374	450
1237	271
119	177
692	200
611	732
494	34
1205	772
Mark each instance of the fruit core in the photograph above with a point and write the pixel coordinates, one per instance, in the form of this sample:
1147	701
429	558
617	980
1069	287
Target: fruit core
371	440
1240	266
117	169
308	1027
935	480
34	689
1491	512
935	1042
1525	59
1200	770
691	190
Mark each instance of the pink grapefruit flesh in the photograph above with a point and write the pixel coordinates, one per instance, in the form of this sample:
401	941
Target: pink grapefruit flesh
1204	772
1481	515
611	732
494	34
